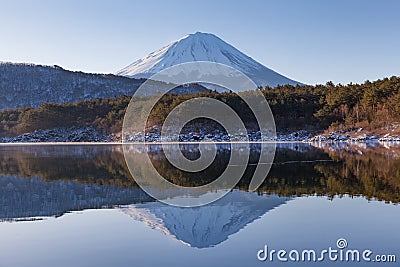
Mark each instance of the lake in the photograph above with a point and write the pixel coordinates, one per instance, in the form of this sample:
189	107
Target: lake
78	205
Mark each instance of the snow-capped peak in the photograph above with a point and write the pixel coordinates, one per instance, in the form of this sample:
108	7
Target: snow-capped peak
203	47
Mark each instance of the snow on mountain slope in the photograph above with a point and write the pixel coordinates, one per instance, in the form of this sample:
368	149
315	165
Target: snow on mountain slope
204	47
208	225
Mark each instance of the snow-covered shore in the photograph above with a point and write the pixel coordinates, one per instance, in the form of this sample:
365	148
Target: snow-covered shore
91	135
71	135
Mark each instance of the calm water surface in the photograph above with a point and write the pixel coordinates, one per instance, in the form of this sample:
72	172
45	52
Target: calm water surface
79	206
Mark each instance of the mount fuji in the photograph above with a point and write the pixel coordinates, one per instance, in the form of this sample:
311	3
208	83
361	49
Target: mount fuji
204	47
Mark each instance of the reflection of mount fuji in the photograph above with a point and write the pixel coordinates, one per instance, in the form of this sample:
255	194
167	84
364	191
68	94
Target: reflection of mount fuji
41	181
208	225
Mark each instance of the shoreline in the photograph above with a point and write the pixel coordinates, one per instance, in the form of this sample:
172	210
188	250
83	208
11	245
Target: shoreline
146	143
90	136
192	143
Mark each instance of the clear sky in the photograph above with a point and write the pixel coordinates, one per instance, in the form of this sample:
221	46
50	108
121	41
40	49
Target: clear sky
312	41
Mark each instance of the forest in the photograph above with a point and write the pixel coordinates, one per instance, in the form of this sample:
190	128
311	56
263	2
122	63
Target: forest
369	105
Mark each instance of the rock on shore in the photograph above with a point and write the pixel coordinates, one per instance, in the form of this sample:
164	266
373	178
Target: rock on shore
72	134
90	134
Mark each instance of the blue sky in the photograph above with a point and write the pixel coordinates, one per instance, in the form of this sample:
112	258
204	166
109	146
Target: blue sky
310	41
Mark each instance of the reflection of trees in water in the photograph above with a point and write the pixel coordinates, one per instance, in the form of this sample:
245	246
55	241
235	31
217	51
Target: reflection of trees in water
297	170
371	172
100	165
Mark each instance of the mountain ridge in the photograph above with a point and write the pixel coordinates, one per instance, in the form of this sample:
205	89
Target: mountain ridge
30	85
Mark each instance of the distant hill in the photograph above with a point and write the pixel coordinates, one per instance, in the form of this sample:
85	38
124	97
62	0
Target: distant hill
29	85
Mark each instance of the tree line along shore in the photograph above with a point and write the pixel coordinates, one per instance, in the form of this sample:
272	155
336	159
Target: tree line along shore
370	107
